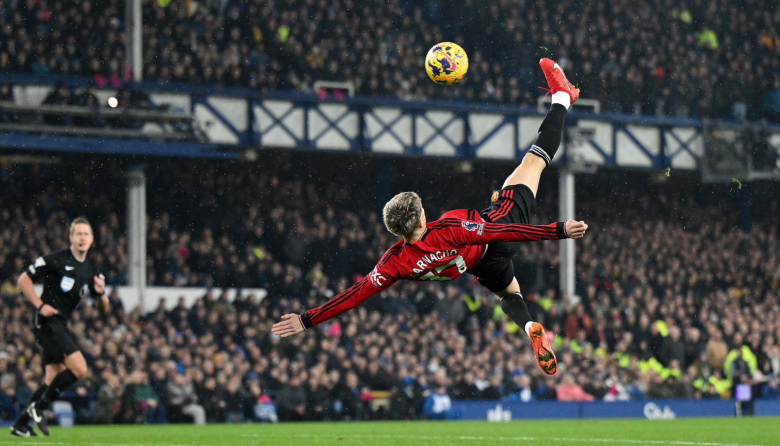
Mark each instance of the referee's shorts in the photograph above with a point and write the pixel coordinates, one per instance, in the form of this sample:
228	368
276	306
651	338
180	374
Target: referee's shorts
53	336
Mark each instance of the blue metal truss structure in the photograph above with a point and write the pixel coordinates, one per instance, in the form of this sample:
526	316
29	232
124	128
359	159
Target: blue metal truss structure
233	120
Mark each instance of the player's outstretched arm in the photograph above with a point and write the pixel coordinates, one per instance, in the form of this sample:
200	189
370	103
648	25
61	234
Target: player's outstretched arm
372	284
479	233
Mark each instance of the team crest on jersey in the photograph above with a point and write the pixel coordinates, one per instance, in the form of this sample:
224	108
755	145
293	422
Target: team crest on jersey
67	284
495	196
473	226
376	278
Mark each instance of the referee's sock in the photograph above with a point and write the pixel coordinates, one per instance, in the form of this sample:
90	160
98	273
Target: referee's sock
514	307
550	133
24	418
61	382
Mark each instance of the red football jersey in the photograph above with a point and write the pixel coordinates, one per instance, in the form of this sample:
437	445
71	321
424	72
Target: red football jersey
449	247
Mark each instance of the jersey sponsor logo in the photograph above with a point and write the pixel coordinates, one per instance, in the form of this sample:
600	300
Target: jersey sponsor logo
67	284
473	226
70	268
376	278
84	291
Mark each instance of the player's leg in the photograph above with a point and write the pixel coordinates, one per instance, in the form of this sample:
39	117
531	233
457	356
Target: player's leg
74	367
21	428
59	378
550	132
52	370
513	304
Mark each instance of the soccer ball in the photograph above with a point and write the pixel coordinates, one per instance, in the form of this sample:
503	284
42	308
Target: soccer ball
446	63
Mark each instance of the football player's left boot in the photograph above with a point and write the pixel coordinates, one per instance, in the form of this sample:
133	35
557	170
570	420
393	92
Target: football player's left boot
542	349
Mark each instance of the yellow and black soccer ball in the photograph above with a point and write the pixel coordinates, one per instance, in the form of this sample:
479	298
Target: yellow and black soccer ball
446	63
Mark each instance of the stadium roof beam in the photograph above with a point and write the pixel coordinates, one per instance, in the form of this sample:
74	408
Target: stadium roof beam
74	110
92	131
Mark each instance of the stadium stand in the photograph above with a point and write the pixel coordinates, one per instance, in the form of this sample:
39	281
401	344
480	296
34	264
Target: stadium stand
678	282
674	58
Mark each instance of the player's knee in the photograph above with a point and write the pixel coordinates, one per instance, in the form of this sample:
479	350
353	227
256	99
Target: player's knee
509	300
81	371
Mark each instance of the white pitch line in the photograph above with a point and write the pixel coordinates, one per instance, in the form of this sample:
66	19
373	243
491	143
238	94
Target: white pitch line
413	437
574	440
17	442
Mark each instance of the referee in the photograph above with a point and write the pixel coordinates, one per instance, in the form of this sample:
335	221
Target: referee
67	277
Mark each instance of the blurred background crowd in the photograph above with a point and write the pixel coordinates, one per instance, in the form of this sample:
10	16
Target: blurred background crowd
680	58
677	292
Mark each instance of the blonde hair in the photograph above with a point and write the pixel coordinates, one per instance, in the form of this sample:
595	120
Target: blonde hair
402	213
79	221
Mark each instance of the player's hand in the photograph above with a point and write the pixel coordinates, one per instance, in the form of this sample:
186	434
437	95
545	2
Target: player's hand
576	229
103	305
290	326
100	285
48	311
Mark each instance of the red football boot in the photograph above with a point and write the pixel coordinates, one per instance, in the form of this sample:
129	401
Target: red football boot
557	80
542	349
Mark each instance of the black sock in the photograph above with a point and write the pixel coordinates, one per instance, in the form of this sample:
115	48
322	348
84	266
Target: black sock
550	133
514	307
61	382
24	419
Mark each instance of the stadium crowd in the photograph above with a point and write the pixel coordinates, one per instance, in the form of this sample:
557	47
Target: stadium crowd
674	58
675	300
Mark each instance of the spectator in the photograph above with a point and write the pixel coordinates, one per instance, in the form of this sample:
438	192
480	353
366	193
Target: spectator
235	401
265	411
438	406
347	398
108	400
672	348
771	389
660	388
717	350
739	370
569	390
521	389
319	400
467	389
183	401
293	401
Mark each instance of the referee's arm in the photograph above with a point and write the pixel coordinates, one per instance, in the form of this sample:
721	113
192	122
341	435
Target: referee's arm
28	289
99	291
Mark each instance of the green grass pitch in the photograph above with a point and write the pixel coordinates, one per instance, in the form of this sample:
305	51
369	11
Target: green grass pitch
688	432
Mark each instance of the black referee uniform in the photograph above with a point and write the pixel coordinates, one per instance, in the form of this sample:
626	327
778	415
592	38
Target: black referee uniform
66	280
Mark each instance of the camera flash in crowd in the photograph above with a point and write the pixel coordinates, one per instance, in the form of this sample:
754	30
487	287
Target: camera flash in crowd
112	102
